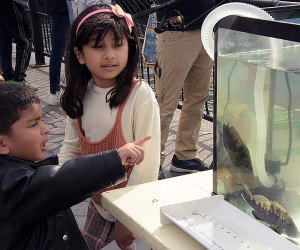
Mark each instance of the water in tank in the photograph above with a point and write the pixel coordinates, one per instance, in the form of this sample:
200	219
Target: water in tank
257	121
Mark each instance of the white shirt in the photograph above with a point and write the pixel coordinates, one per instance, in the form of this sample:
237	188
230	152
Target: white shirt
140	117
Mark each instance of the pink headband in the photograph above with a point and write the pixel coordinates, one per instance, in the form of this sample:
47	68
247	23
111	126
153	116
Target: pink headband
117	10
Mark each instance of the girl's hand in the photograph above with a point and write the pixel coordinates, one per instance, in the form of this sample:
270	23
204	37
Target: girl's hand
133	153
123	237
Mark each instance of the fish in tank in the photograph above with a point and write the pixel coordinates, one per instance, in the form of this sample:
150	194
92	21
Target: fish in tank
270	212
258	135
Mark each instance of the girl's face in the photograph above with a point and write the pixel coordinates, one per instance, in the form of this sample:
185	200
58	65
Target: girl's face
105	61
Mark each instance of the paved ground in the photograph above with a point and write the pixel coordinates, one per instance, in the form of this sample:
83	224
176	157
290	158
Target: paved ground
55	118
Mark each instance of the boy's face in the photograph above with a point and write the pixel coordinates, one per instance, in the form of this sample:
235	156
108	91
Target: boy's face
28	136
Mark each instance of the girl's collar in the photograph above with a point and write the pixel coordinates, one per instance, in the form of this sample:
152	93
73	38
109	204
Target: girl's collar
98	89
102	86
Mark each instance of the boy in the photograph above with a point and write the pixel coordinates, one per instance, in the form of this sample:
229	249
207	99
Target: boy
36	194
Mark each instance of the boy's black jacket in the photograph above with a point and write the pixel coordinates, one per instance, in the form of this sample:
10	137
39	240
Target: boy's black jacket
35	199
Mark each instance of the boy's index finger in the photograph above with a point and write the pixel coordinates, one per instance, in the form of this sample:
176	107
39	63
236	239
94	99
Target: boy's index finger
142	140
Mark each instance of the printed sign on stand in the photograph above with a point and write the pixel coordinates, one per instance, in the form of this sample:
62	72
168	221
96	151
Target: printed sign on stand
149	45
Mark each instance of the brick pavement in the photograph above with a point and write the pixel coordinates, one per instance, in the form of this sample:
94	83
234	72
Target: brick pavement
55	118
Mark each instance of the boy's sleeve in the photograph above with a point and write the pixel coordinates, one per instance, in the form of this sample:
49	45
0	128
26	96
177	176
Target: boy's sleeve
38	193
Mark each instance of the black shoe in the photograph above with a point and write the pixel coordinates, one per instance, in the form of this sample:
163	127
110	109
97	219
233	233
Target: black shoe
188	166
161	174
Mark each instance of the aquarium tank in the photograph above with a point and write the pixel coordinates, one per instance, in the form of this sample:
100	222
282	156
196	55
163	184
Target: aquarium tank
257	120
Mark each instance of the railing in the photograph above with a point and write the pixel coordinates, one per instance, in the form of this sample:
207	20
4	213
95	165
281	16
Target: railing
42	39
41	31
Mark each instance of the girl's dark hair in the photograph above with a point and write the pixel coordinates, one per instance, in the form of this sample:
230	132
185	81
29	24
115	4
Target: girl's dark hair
13	99
77	75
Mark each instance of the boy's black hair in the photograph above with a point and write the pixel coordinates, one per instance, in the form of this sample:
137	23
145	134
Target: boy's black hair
77	75
13	99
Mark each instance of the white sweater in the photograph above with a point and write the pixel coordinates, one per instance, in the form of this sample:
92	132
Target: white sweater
140	117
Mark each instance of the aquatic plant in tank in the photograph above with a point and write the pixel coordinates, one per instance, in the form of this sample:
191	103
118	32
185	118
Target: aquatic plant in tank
257	121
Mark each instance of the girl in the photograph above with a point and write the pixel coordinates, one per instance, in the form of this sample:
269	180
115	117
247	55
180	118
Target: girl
107	107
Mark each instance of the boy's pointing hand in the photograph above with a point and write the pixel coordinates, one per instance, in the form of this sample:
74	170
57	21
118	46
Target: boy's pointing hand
133	153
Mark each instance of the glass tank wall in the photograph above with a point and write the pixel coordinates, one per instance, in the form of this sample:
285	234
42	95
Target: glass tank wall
257	125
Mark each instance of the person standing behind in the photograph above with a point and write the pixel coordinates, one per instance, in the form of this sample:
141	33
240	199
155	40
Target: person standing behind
82	4
15	26
57	11
183	62
107	107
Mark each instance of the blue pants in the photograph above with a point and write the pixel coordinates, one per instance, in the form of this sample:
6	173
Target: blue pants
60	26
